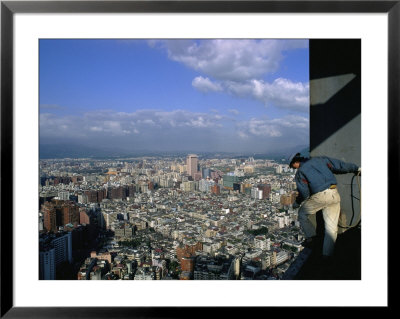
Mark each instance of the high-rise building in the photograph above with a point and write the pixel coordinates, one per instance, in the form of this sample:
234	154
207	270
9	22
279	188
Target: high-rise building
236	187
63	195
187	264
192	164
229	180
70	213
205	171
49	215
197	176
47	266
54	249
266	190
63	248
59	213
188	186
117	193
84	217
256	193
188	250
215	189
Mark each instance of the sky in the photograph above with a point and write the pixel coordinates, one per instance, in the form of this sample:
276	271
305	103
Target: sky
217	95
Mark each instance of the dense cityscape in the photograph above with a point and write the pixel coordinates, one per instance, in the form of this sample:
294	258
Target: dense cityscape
159	218
162	161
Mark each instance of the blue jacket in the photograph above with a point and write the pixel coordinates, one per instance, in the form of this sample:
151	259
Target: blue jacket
316	174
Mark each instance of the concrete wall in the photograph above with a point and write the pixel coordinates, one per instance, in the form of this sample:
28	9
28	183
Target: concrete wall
335	114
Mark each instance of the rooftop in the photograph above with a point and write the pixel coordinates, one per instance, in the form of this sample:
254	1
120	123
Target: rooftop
345	264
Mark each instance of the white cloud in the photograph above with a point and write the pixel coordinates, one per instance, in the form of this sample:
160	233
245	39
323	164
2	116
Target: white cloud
293	121
282	93
233	60
96	129
174	130
56	126
205	84
290	126
112	126
103	122
238	67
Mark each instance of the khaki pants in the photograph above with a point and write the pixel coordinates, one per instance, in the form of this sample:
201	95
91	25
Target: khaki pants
329	202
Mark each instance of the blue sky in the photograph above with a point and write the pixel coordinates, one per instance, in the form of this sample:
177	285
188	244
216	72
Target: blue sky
175	95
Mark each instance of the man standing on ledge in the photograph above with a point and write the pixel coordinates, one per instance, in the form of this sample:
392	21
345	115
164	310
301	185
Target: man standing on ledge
316	186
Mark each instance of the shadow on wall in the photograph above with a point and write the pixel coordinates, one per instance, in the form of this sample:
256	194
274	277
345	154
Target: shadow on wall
335	87
335	115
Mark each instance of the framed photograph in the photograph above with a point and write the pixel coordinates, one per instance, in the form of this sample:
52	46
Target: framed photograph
206	92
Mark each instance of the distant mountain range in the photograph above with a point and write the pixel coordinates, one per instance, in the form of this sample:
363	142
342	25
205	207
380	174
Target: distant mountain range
56	151
78	151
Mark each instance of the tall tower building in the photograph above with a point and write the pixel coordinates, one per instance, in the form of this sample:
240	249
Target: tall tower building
49	214
47	266
237	263
187	264
63	248
266	190
192	164
70	213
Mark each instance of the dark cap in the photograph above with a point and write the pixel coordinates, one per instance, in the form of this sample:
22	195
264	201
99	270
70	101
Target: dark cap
295	158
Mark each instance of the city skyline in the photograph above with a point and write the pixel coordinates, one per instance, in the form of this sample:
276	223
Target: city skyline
167	219
175	95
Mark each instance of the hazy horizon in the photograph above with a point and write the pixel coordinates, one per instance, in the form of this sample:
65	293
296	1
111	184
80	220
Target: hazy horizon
175	95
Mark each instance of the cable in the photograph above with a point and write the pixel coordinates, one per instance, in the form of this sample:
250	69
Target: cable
352	202
352	196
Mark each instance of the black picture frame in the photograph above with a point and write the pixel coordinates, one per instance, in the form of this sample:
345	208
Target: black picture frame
9	8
